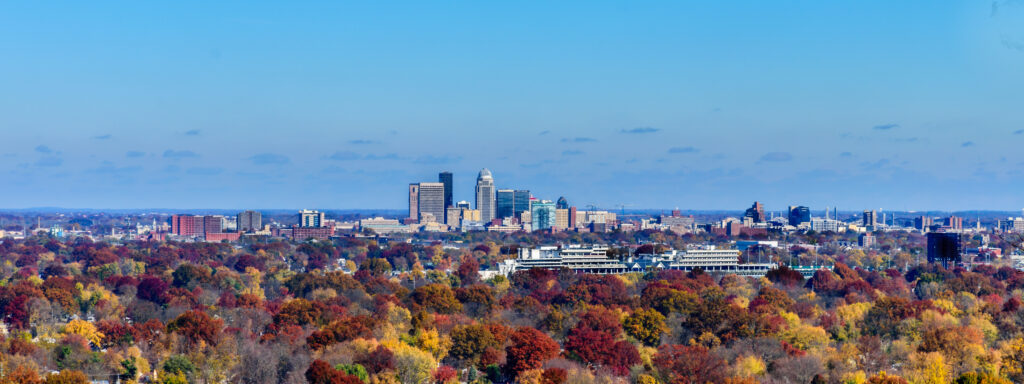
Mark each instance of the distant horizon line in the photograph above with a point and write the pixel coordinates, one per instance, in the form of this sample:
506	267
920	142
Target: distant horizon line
396	210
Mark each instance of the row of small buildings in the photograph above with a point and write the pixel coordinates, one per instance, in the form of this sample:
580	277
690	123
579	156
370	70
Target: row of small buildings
595	260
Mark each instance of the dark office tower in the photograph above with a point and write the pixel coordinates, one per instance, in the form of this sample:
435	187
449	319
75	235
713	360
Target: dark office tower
944	247
414	201
249	221
756	212
870	219
522	202
562	203
799	214
506	203
446	179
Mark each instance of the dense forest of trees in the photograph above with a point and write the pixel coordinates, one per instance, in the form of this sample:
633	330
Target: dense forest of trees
418	313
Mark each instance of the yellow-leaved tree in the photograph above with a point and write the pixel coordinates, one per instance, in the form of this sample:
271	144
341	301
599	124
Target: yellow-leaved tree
431	341
645	325
928	368
749	366
85	329
412	365
1013	359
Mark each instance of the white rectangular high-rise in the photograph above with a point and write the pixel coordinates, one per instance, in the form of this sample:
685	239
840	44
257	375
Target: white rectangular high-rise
485	196
311	219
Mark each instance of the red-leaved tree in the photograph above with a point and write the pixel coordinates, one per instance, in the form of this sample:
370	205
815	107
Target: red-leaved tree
681	364
528	349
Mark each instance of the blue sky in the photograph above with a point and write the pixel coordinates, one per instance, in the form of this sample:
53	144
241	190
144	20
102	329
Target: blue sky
698	105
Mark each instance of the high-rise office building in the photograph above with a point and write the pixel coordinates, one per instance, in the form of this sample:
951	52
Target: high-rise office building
431	201
522	201
756	213
870	219
561	218
562	203
1012	224
446	179
485	195
922	223
463	204
955	223
506	203
188	225
511	203
944	247
212	224
543	215
311	219
249	221
799	214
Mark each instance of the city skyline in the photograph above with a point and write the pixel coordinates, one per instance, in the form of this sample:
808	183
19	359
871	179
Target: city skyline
910	106
782	206
628	192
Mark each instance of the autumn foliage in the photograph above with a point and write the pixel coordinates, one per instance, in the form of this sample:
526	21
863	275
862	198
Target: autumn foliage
419	311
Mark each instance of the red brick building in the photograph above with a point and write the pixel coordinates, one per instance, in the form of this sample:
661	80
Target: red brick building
188	225
217	237
203	226
306	233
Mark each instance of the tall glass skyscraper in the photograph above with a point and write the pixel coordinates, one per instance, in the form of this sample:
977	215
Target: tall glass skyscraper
446	179
506	203
543	214
511	203
522	202
485	196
